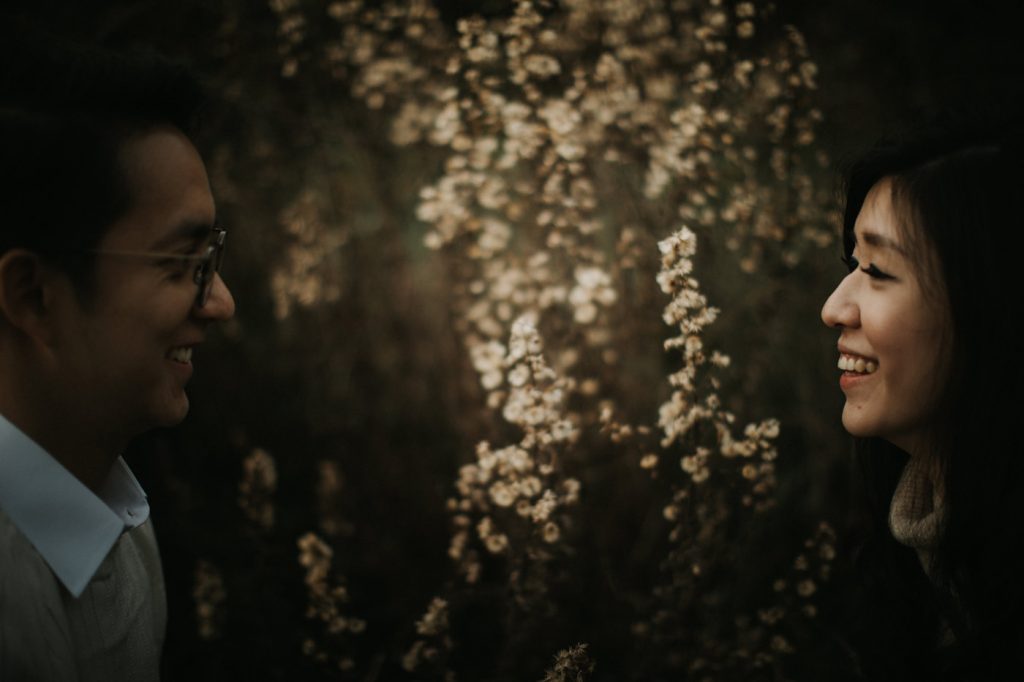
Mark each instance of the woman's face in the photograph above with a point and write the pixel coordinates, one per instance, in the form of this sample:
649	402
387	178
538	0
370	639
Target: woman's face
894	339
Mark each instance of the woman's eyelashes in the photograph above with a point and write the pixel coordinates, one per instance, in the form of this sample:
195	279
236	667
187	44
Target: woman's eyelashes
872	270
875	273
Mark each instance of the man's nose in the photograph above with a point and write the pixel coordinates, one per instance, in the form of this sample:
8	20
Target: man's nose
221	304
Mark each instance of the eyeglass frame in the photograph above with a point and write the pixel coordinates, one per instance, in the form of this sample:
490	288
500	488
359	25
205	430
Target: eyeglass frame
204	274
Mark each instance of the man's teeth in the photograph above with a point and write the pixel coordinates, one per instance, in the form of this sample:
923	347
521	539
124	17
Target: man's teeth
849	363
183	354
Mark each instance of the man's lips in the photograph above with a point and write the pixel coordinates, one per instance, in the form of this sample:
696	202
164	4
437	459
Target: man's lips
181	354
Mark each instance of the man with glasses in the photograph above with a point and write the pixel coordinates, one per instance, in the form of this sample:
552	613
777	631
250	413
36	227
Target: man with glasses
109	257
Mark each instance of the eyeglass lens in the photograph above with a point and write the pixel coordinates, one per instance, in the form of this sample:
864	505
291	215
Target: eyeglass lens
209	267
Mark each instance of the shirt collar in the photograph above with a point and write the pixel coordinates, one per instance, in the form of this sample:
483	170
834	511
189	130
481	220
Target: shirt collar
71	527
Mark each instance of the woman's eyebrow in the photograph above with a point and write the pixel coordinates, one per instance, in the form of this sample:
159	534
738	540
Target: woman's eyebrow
881	241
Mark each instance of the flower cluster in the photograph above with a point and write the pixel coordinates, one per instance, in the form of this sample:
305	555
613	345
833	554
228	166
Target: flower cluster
691	404
513	499
505	479
291	33
776	629
309	272
257	487
433	643
536	393
327	597
209	595
381	48
724	472
328	498
571	665
689	311
593	288
510	288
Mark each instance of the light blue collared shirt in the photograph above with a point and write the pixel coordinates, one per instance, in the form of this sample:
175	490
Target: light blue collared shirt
71	527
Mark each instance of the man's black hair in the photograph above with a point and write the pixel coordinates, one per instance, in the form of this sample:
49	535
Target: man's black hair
65	112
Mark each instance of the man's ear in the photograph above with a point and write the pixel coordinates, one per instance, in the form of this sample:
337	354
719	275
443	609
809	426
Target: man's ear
26	294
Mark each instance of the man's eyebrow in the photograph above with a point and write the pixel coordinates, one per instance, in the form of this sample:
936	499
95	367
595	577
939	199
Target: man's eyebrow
190	232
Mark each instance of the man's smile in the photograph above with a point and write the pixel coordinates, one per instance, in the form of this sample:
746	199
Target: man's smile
182	354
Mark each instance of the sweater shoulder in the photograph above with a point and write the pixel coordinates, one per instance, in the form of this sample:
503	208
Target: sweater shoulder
35	640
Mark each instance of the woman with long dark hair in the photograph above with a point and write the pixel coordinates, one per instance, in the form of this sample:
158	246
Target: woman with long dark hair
932	363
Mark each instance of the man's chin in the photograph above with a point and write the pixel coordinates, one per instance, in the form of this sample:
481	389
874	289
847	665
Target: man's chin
172	413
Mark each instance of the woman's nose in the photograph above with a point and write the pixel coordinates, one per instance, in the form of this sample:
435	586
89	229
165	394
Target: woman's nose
840	310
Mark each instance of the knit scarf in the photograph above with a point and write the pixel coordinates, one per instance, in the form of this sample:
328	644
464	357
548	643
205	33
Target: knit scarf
916	512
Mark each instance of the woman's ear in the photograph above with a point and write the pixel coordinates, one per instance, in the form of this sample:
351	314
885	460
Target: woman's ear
26	294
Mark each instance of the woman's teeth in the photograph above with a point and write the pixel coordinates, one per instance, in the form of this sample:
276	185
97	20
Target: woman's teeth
183	354
849	363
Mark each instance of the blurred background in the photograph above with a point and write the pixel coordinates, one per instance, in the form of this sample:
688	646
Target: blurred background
404	182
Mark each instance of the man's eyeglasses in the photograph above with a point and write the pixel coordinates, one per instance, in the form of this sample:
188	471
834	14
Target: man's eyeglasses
207	264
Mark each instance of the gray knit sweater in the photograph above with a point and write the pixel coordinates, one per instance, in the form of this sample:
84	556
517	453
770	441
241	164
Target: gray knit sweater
113	631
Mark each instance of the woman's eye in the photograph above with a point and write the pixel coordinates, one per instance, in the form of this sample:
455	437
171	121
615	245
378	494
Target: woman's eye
873	272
